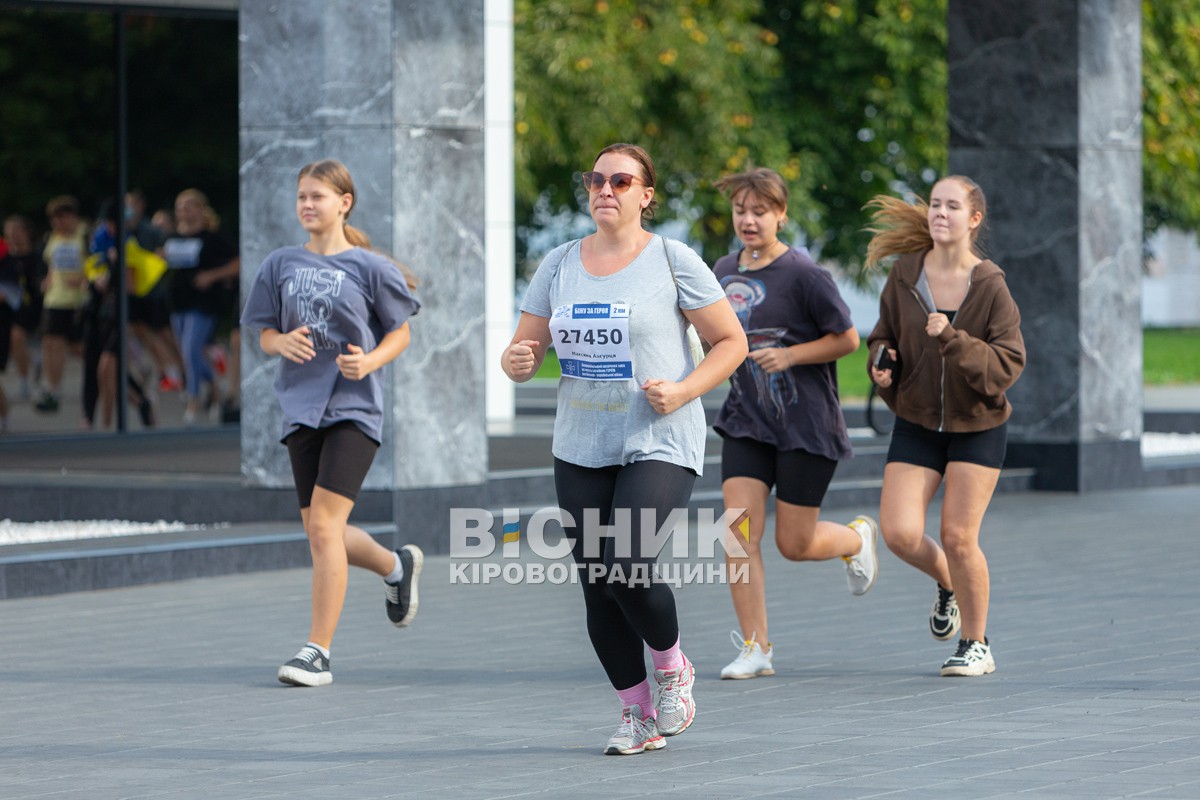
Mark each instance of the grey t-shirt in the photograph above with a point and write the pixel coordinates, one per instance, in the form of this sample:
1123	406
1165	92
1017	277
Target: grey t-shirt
354	297
607	423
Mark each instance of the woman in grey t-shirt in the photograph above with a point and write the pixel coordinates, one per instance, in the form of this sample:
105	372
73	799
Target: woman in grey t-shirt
629	431
335	313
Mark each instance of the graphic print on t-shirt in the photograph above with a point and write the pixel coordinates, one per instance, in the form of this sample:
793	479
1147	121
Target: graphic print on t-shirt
67	257
773	390
183	253
315	290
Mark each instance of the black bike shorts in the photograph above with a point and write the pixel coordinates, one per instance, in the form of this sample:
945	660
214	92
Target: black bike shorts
914	444
799	477
335	458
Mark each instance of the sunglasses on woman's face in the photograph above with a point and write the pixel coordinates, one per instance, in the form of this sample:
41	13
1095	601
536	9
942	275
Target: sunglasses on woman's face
620	181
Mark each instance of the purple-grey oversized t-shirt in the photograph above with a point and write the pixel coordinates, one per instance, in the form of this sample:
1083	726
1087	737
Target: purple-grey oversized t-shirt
790	301
354	297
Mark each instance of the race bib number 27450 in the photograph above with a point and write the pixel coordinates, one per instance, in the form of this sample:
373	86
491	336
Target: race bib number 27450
592	341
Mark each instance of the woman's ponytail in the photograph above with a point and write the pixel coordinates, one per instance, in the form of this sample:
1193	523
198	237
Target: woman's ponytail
901	227
897	227
334	173
356	237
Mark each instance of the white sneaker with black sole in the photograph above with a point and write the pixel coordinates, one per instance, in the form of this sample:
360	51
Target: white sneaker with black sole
944	619
971	659
401	598
307	668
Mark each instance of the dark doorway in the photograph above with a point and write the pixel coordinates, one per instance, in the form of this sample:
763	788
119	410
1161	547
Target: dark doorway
59	135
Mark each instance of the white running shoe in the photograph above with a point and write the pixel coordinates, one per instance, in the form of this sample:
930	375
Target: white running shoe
863	567
675	707
635	734
751	661
971	659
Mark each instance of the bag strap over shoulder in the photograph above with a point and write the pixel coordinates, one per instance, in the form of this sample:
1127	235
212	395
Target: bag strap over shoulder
670	263
695	345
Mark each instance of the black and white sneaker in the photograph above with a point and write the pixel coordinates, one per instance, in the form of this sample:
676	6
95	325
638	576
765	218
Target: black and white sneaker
972	658
401	598
307	668
943	619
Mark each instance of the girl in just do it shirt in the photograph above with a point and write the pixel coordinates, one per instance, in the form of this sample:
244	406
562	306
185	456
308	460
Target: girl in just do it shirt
336	313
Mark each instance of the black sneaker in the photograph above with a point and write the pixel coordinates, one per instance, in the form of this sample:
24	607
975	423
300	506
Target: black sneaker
47	403
307	668
401	598
971	659
943	619
146	412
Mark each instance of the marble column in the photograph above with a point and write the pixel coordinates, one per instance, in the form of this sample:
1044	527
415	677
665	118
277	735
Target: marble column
393	89
1045	113
499	114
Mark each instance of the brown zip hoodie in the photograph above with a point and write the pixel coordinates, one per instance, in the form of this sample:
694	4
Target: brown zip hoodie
955	382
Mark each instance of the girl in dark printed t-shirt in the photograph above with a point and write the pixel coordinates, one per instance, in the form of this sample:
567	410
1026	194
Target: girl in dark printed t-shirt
781	423
335	313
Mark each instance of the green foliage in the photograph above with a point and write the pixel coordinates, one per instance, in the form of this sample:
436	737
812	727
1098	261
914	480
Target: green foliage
684	79
863	94
841	98
846	98
1171	113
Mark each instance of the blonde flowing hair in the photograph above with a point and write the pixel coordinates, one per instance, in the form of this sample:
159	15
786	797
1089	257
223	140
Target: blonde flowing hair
334	174
898	227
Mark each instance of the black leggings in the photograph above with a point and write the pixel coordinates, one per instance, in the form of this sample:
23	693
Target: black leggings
622	614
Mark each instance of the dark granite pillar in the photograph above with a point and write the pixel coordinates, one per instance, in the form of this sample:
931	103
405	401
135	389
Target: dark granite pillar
1045	113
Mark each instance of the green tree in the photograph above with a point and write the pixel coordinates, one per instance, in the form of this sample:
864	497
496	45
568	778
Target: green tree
1171	113
862	92
845	99
877	68
686	79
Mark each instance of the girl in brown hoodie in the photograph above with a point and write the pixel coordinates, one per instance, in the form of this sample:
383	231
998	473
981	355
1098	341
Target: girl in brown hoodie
946	348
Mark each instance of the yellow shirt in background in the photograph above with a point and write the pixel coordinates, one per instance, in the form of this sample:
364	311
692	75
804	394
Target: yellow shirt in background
65	257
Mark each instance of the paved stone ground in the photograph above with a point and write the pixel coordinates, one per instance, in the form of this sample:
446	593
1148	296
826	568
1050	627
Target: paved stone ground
168	691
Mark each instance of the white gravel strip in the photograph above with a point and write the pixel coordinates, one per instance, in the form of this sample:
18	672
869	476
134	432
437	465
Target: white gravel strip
68	530
1153	444
1170	444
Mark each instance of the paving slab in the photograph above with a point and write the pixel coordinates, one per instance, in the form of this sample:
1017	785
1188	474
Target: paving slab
168	690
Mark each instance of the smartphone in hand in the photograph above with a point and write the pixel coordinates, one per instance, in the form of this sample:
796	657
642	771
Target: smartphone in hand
884	361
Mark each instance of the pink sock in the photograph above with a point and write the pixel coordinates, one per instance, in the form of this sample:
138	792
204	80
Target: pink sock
638	695
671	658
